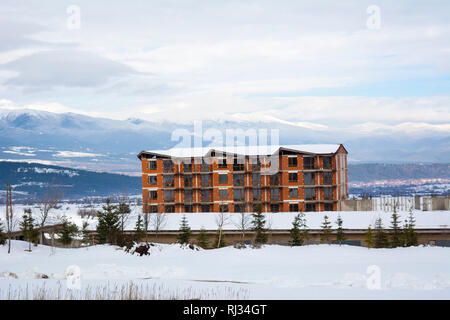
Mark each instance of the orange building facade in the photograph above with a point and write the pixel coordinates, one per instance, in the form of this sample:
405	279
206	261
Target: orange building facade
281	179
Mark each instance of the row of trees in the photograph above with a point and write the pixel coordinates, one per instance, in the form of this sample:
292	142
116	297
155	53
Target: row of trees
399	236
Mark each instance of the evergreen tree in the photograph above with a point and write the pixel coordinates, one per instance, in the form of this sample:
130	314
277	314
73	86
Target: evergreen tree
381	238
202	239
396	233
108	226
410	234
296	236
325	234
27	226
139	233
67	231
219	243
340	236
259	224
2	235
85	239
369	237
185	231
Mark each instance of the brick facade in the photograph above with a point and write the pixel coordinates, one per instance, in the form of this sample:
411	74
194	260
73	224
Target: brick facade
215	182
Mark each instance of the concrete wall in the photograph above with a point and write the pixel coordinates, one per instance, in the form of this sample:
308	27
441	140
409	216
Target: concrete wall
357	205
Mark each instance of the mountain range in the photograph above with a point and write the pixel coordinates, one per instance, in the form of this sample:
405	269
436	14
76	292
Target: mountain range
85	142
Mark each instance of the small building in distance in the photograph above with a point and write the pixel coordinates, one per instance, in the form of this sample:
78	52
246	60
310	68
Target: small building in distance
288	178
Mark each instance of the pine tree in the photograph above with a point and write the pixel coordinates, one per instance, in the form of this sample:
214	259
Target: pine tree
296	236
381	238
139	233
219	243
27	226
85	239
202	239
340	236
185	231
325	234
369	237
259	224
108	226
67	231
2	235
396	234
410	234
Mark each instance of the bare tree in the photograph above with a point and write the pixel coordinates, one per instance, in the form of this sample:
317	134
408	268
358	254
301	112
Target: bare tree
243	223
124	211
10	221
221	220
47	203
158	221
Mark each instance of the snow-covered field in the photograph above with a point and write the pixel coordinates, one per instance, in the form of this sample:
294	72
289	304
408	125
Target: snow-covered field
272	272
277	221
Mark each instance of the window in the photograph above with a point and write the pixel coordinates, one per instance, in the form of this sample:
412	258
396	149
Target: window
292	162
328	178
168	181
152	164
238	207
274	194
293	207
188	208
204	166
205	180
238	164
257	194
223	178
329	207
169	209
310	207
238	194
310	193
187	167
222	163
153	195
206	208
309	178
223	208
188	180
238	179
223	194
187	195
293	177
308	163
206	196
152	180
169	195
293	192
256	164
327	162
328	193
256	177
153	209
167	165
274	208
274	180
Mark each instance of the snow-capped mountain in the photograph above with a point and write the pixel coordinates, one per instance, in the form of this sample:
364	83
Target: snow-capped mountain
112	145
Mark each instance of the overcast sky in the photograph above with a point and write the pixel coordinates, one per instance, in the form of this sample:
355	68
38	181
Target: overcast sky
317	64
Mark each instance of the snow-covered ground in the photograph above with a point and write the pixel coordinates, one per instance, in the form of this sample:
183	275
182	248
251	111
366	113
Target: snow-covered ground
280	220
272	272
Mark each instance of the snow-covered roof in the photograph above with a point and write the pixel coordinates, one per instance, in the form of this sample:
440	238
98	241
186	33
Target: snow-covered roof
246	150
